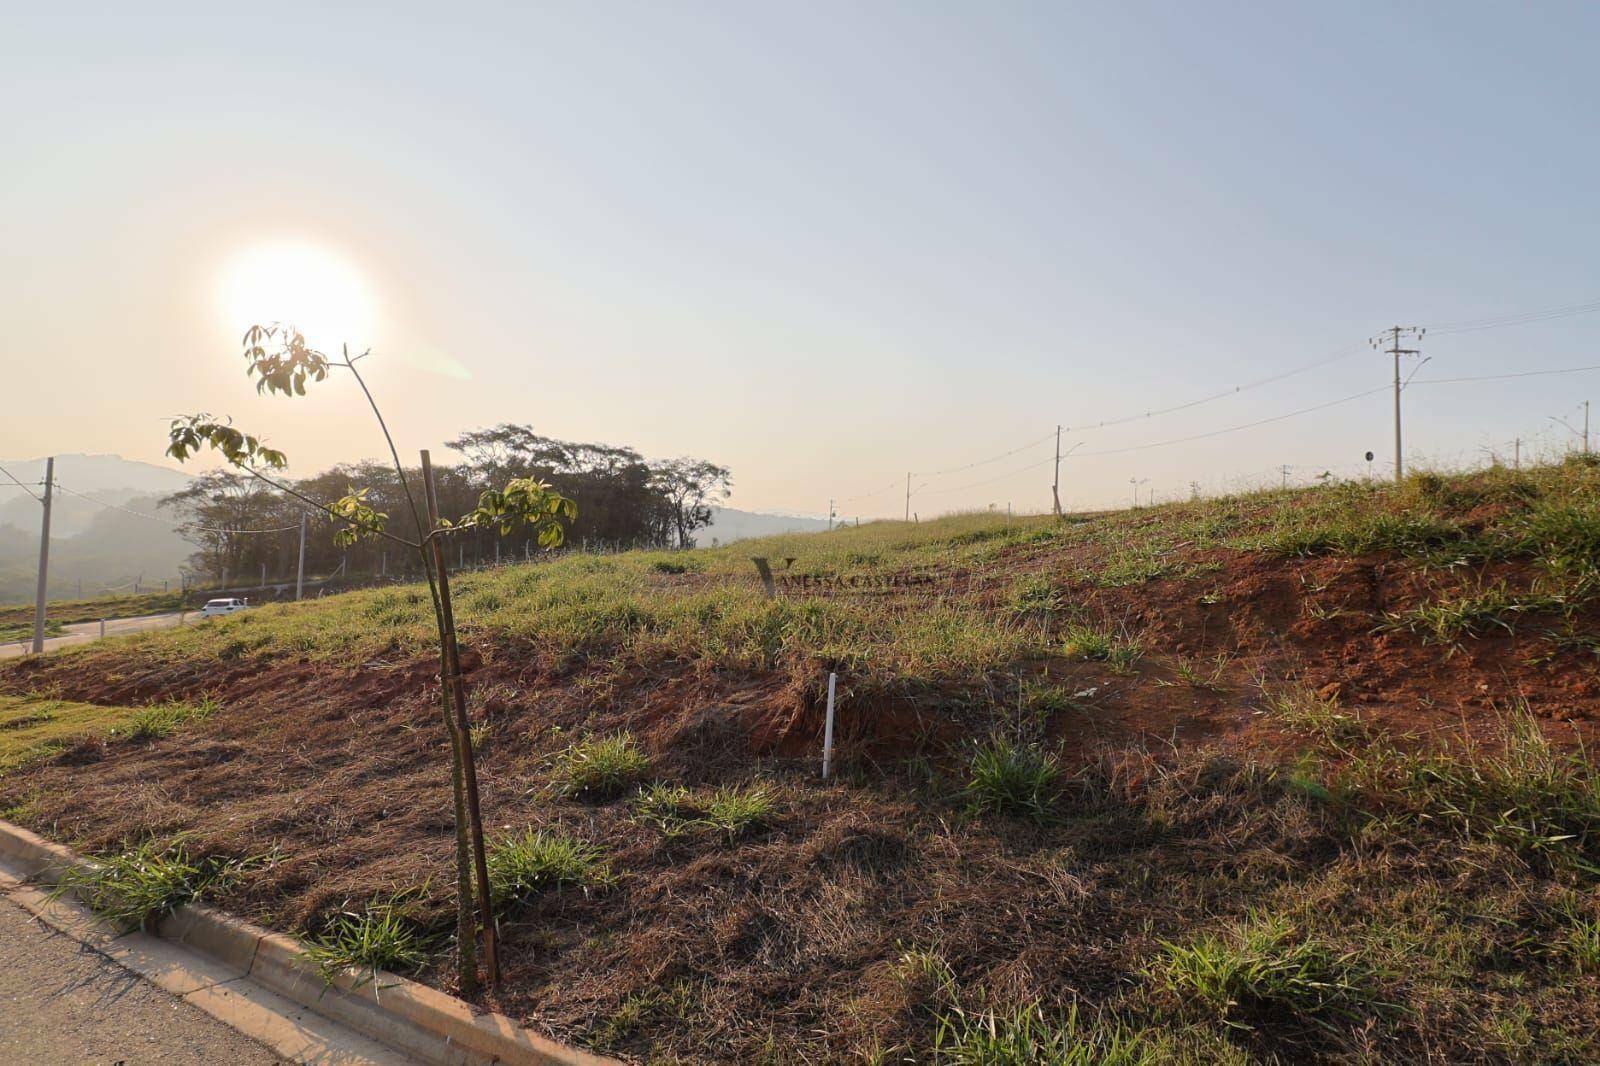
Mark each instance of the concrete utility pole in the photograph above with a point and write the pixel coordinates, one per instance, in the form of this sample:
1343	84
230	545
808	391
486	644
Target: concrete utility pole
908	495
1392	335
300	570
1284	469
831	513
1516	454
1055	486
44	558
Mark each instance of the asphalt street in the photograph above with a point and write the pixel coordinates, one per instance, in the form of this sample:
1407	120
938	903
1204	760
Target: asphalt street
64	1002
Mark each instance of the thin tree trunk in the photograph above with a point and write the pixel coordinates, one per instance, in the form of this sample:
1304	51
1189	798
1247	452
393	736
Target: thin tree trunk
456	701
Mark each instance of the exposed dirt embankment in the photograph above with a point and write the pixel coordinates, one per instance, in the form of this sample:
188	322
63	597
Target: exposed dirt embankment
1203	701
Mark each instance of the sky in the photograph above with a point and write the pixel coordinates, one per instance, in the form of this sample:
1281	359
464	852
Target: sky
823	244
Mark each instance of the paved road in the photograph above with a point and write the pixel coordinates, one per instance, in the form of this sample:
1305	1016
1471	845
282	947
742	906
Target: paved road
84	632
63	1002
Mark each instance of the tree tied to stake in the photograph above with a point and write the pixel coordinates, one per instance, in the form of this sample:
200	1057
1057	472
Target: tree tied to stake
280	361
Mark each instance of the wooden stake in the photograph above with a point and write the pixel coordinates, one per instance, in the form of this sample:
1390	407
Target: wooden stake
455	689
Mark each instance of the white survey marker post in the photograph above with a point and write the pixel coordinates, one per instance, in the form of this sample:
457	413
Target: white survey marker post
827	729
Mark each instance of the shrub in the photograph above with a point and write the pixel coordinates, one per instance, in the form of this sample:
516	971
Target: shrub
1009	778
522	865
600	766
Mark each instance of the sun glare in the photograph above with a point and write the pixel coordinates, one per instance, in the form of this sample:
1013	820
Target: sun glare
311	288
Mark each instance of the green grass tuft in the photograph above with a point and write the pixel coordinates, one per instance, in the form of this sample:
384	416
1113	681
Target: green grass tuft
1012	778
1265	968
600	767
1027	1037
138	887
162	720
1118	649
1541	803
729	810
523	865
734	811
379	936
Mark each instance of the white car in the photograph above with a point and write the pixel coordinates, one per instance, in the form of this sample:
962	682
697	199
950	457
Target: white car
216	607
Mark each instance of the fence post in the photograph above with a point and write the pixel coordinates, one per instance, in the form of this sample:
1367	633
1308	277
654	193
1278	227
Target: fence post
827	729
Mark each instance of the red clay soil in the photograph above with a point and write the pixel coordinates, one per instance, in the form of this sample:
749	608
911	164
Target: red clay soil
340	774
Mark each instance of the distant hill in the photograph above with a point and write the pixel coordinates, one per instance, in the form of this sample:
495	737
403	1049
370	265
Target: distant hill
108	478
728	524
97	473
91	544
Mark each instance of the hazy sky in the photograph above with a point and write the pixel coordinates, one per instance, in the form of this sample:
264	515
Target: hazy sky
821	243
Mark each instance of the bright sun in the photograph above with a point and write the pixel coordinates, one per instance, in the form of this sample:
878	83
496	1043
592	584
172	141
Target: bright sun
302	285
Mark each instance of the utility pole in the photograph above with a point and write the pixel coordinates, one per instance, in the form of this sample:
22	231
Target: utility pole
1586	427
1284	469
44	558
1055	487
830	516
300	570
1516	454
1393	335
908	495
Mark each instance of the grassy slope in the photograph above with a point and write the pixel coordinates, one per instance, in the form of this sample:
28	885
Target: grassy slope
66	612
34	727
1310	877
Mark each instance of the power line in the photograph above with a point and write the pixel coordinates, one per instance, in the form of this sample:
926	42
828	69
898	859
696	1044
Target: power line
1243	426
1342	353
169	522
868	495
1502	377
1461	326
985	462
20	485
989	481
1524	318
1235	429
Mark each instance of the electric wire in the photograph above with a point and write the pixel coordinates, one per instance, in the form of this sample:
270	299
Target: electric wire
1342	353
169	522
1524	318
1502	377
985	462
20	485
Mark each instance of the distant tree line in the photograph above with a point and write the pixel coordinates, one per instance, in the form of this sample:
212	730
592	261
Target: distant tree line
624	501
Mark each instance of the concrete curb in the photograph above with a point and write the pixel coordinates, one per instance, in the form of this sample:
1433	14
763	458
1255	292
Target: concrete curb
413	1019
